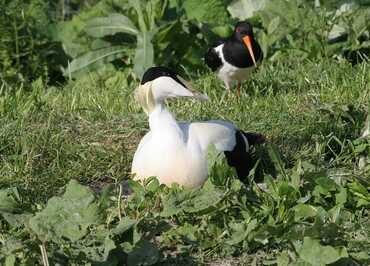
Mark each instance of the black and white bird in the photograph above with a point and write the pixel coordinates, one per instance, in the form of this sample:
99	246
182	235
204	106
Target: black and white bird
235	57
177	152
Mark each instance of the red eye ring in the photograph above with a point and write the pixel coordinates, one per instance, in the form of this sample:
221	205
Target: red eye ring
237	29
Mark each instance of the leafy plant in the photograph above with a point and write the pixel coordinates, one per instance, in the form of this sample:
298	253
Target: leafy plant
327	30
305	212
142	33
244	9
143	29
26	49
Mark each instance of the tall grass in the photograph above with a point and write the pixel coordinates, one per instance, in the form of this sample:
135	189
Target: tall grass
90	128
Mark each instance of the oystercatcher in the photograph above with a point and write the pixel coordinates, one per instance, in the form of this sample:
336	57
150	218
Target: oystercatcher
177	152
235	57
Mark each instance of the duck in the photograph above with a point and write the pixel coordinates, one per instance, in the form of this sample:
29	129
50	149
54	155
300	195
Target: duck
176	152
235	58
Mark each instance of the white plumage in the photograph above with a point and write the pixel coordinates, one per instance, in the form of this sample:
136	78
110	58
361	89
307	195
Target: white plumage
176	152
229	73
234	58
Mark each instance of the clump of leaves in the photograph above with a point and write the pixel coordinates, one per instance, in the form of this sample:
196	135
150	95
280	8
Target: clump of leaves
108	47
141	33
26	51
306	215
308	30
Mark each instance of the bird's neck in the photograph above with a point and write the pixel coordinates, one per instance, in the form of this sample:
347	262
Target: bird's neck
160	119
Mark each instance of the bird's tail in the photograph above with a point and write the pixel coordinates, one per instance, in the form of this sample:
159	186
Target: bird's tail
212	59
240	157
253	138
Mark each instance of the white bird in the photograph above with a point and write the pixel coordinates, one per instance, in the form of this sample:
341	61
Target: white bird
177	152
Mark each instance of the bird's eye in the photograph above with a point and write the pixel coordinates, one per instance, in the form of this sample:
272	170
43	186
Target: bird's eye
237	29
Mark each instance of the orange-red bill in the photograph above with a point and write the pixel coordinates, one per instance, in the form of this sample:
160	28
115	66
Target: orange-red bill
248	42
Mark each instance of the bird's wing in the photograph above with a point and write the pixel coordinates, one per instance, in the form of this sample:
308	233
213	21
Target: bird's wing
226	138
218	42
212	58
138	156
219	133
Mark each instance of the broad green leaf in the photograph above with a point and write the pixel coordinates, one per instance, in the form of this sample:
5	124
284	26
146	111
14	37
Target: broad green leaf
214	156
114	23
191	200
97	247
222	31
365	132
362	255
10	245
9	201
238	233
275	157
335	213
304	211
211	11
144	54
95	58
144	254
283	259
325	185
109	245
137	5
11	209
70	32
174	203
136	187
208	196
17	220
125	224
10	260
273	25
341	197
243	9
316	254
152	184
68	216
361	193
241	231
188	230
286	191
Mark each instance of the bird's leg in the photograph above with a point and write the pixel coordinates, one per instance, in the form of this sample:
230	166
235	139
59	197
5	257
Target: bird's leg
227	84
238	89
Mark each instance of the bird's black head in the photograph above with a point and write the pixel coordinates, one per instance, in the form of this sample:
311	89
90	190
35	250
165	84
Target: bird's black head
159	83
243	33
243	28
160	71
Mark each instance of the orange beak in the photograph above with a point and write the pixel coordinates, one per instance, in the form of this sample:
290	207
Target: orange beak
248	42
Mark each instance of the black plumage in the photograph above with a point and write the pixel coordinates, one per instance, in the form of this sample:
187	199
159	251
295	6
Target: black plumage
155	72
240	157
212	59
234	57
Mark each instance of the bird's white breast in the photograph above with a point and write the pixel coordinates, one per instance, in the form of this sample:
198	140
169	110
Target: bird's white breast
228	72
169	159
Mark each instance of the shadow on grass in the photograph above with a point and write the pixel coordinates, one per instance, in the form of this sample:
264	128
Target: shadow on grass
178	261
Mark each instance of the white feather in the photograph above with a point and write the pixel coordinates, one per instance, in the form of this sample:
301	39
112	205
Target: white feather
177	152
229	73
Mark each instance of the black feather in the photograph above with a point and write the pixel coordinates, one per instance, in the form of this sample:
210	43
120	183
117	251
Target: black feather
160	71
212	59
236	54
234	50
239	157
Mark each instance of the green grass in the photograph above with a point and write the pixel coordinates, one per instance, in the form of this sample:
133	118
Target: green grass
89	129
